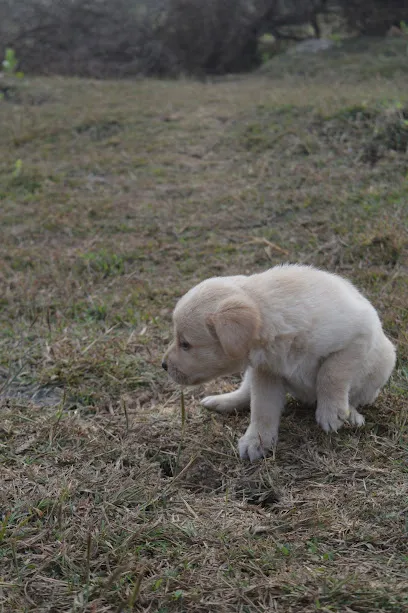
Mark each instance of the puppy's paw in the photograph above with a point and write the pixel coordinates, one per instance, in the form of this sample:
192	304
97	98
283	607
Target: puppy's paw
330	420
355	418
220	404
253	446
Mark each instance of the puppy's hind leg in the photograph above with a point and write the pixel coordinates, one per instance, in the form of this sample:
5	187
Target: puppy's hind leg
365	389
334	381
379	368
233	401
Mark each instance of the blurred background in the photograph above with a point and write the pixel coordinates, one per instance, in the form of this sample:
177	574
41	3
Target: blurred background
101	38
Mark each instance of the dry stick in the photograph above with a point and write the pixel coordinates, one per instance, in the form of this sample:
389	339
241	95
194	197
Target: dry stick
264	241
183	421
183	410
123	403
189	508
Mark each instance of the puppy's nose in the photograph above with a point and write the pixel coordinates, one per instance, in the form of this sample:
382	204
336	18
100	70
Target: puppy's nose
164	364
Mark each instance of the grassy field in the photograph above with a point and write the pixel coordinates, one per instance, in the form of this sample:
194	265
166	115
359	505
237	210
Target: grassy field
116	197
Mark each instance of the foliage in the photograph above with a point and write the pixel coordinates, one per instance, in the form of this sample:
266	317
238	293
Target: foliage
157	37
373	17
10	63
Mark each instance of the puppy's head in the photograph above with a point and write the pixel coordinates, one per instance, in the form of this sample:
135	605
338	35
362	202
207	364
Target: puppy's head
215	325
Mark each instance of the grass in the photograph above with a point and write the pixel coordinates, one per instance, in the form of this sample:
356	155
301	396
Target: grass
116	197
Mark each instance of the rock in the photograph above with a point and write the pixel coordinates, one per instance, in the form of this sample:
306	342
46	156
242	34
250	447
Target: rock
312	45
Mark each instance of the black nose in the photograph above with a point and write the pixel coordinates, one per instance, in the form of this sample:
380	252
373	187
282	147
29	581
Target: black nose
164	365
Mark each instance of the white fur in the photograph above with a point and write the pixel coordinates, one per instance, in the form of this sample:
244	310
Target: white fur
294	329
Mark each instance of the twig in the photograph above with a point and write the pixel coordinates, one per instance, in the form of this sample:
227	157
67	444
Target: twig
123	403
268	244
183	421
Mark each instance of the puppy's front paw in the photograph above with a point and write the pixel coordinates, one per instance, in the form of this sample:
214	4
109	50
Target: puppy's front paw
331	420
253	445
220	404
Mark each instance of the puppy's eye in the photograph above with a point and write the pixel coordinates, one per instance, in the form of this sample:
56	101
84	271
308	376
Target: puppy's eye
184	345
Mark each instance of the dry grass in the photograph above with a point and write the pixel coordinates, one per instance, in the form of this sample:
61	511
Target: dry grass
125	195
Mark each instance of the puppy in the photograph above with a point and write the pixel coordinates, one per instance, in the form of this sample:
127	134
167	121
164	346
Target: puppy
293	329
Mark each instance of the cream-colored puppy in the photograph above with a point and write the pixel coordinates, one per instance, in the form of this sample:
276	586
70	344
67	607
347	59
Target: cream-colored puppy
293	329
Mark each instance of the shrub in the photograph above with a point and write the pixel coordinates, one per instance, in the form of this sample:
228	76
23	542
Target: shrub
150	37
373	17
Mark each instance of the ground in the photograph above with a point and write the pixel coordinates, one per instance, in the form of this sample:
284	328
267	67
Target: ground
116	197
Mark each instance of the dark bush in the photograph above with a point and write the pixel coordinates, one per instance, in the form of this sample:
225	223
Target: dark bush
149	37
81	37
373	17
168	37
221	36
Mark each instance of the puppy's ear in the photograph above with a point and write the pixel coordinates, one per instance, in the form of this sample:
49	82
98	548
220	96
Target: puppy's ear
236	323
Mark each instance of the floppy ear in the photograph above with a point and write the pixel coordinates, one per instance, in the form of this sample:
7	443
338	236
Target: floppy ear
236	323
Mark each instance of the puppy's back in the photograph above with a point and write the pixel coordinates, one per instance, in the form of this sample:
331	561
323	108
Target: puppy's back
305	284
299	298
